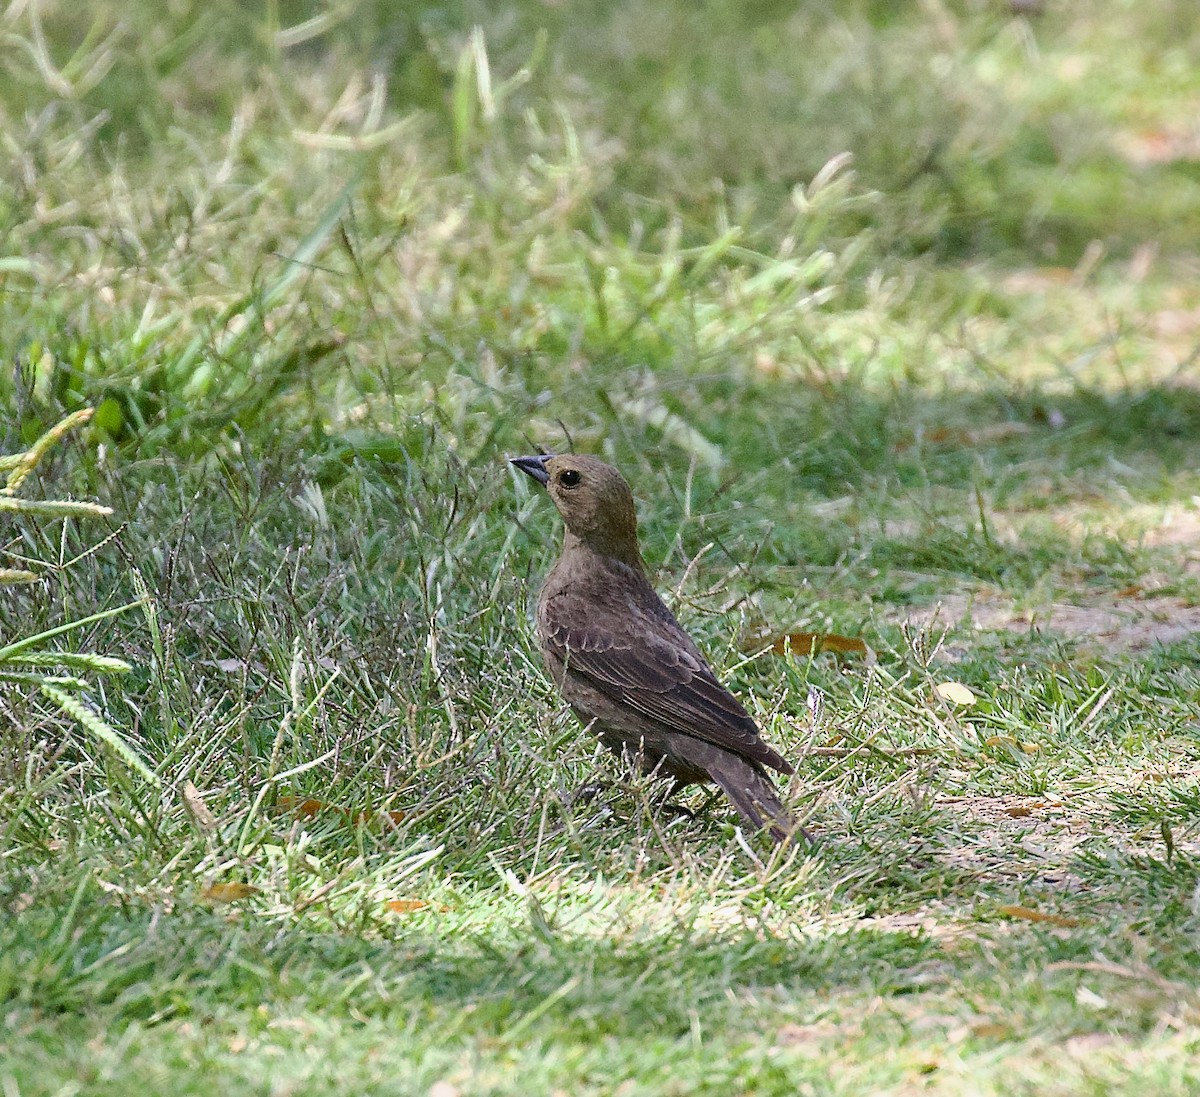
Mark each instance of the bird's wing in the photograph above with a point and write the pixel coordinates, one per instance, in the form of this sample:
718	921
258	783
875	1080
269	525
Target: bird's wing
650	665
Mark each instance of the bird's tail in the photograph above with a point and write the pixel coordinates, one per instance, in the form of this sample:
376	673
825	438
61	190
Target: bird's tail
753	793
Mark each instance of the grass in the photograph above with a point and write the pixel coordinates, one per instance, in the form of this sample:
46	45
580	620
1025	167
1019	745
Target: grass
319	271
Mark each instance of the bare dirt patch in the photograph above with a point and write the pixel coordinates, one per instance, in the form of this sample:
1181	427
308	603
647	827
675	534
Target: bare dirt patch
1031	839
1128	624
1053	825
1178	526
1034	841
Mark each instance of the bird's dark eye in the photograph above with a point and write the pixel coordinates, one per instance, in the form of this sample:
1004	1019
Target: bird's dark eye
569	478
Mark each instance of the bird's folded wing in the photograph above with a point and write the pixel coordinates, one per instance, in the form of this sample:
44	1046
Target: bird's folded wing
640	663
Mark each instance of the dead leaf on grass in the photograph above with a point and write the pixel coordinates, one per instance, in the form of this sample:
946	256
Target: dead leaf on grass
969	437
1028	914
990	1030
406	906
819	643
227	893
309	808
303	809
978	1030
956	693
791	1035
1011	743
197	808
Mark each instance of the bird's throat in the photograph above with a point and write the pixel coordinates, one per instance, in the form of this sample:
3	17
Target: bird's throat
621	549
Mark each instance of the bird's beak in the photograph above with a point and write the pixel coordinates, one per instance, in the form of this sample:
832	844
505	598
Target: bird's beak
534	466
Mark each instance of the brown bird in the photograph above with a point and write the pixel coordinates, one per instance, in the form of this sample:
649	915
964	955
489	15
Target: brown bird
625	665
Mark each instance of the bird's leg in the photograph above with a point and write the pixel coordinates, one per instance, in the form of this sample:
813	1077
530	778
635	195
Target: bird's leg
587	792
713	796
664	804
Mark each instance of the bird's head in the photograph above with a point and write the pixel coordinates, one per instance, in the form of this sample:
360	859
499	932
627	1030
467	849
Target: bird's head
594	500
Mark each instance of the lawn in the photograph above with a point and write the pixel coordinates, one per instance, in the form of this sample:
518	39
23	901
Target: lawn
891	317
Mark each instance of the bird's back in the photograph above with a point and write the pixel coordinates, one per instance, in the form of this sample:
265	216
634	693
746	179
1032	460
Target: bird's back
618	653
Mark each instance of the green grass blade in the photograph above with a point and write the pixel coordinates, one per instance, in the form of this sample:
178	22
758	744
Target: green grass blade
7	652
99	729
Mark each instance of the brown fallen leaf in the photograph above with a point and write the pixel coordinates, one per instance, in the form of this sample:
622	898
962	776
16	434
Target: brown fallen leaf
197	808
963	436
1028	914
792	1035
817	643
308	808
303	809
979	1030
1009	741
406	906
990	1030
1018	812
227	893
